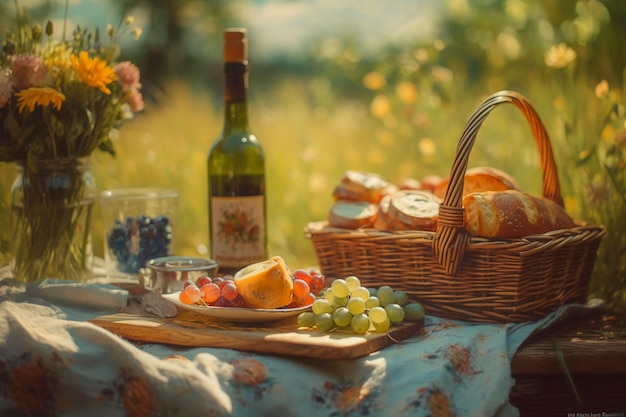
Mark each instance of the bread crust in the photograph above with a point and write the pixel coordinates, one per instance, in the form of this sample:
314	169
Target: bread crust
512	214
352	214
383	220
410	184
362	186
481	179
430	183
414	210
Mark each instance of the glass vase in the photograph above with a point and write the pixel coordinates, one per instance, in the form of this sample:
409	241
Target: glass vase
51	217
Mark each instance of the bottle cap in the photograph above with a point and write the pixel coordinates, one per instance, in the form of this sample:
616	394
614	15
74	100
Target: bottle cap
235	45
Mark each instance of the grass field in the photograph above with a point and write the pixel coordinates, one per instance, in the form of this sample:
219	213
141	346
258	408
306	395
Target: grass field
309	145
307	151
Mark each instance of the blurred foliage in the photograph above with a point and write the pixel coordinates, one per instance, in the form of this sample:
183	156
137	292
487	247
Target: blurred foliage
399	113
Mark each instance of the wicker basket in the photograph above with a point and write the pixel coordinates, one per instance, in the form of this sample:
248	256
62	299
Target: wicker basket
457	276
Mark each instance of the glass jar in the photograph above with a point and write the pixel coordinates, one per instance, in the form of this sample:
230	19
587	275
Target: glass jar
52	204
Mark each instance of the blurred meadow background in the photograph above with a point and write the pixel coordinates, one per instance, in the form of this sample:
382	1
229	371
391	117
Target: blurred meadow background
368	85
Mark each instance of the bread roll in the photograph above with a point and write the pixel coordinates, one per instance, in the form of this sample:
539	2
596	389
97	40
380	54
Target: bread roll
512	214
481	179
409	184
362	186
352	214
413	209
383	221
430	183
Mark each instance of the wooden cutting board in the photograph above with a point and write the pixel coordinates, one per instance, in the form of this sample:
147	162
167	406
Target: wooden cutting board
280	337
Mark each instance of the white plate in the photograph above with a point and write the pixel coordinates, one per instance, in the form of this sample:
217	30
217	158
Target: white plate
234	314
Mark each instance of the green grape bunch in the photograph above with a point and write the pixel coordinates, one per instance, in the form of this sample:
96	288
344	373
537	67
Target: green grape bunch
348	305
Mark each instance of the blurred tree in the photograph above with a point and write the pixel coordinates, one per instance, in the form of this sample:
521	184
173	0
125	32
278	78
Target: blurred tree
179	37
492	39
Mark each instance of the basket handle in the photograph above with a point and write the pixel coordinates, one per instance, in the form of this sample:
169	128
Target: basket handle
451	239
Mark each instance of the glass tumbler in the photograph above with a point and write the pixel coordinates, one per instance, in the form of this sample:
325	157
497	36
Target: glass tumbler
139	225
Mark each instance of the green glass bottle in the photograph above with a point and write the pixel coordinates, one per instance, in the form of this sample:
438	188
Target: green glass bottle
236	172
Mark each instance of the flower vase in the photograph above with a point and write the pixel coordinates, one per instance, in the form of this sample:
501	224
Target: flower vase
51	217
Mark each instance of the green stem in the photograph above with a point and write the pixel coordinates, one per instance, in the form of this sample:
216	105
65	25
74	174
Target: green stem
53	142
51	222
67	7
568	376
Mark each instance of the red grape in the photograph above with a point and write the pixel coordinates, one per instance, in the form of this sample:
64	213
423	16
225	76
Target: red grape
300	288
317	284
238	302
184	298
193	293
306	300
230	291
210	292
221	302
202	281
303	275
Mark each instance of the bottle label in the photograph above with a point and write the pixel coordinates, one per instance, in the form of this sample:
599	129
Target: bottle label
238	230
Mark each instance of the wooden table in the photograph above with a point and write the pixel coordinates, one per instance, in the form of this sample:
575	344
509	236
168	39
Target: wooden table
594	351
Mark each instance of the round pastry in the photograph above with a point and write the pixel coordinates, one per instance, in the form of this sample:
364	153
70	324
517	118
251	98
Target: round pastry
414	209
362	186
410	184
352	214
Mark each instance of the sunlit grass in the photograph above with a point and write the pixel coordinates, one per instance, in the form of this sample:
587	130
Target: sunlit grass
307	150
308	146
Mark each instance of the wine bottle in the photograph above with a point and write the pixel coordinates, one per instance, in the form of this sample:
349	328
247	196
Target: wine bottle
236	171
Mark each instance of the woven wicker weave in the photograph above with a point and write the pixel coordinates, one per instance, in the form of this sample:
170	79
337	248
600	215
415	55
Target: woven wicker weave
457	276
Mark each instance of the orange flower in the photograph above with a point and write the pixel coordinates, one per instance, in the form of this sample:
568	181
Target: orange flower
439	405
42	96
29	387
93	71
137	398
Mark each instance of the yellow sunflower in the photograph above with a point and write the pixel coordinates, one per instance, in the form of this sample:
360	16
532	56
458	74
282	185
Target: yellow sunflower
93	71
42	96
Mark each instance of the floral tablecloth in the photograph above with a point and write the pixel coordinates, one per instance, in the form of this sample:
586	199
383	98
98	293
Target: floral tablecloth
54	363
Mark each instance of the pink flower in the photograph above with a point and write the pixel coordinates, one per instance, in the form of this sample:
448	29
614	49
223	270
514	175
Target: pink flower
6	86
128	75
28	71
135	100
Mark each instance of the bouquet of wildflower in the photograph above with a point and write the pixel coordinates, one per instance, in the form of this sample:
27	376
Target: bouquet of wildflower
59	100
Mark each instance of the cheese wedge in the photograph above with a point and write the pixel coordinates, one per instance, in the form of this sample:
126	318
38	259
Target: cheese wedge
266	284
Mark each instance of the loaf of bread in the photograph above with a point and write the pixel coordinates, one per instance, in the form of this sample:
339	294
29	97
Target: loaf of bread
362	186
413	210
480	179
512	214
352	214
